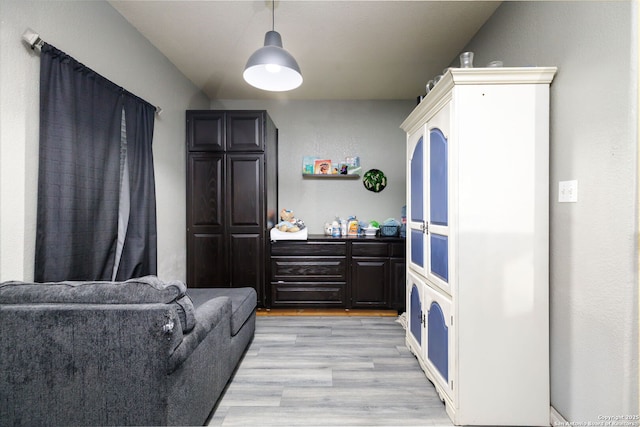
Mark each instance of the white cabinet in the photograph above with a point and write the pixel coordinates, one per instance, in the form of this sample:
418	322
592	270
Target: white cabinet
477	243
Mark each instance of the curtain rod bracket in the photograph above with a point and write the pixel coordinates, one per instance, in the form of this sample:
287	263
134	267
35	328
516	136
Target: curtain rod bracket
32	39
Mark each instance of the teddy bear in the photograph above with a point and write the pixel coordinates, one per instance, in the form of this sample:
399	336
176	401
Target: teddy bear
288	222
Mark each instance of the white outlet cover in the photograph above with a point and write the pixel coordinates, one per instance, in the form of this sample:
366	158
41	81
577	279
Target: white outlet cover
568	191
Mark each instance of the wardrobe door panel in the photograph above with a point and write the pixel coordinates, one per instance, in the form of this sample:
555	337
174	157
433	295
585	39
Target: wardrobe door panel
246	260
245	131
245	190
213	272
205	131
205	221
206	192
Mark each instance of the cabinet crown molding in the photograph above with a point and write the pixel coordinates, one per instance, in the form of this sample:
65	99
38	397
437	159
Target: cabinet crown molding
477	76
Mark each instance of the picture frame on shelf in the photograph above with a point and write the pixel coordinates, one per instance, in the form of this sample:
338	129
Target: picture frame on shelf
308	164
322	167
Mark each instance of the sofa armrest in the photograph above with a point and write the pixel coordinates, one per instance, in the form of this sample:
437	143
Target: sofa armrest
212	314
84	364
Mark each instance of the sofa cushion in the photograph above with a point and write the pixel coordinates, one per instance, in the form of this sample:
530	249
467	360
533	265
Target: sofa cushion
148	289
243	302
186	312
143	290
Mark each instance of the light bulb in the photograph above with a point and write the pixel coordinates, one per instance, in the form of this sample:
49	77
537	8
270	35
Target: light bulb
272	68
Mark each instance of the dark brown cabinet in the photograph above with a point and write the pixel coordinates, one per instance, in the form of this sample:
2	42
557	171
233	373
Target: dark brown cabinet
369	278
377	274
308	273
231	197
397	294
338	272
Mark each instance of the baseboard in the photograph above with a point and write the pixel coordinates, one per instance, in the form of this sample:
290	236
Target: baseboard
325	312
555	419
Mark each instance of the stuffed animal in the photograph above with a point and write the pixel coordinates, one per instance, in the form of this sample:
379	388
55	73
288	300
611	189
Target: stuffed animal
288	222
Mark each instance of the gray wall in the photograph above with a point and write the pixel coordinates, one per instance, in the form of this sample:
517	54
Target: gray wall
335	130
594	256
96	35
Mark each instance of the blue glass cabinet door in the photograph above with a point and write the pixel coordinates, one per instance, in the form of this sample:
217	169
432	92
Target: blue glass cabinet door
438	239
438	336
416	205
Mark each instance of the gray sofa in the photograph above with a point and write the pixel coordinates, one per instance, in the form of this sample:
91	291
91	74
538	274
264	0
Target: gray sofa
140	352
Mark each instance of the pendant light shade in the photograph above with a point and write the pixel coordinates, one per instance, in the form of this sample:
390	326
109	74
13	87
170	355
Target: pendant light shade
271	67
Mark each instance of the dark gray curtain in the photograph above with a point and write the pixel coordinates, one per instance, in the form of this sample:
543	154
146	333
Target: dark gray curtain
139	253
80	175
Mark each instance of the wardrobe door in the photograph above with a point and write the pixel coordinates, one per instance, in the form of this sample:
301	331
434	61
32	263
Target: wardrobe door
416	210
245	212
205	221
437	260
415	314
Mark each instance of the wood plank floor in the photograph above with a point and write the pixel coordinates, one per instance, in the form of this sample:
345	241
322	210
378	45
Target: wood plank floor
329	371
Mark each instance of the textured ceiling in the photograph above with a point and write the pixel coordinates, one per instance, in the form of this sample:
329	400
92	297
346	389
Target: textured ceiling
345	49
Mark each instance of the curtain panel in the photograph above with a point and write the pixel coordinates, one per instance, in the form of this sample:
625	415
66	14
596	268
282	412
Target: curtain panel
95	147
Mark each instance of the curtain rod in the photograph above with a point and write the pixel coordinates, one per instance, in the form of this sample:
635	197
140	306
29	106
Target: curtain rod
35	43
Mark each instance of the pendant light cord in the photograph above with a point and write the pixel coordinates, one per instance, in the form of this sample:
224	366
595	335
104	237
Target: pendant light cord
273	15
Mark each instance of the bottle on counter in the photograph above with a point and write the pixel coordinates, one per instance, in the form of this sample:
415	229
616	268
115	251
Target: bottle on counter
335	227
344	225
354	227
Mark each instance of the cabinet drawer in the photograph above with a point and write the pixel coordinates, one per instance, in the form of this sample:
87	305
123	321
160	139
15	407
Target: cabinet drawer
309	248
308	294
398	250
308	269
370	249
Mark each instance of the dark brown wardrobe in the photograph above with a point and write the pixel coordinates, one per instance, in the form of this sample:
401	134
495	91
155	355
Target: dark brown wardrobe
232	197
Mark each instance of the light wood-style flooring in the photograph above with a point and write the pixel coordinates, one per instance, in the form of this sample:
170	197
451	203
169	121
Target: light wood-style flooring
329	371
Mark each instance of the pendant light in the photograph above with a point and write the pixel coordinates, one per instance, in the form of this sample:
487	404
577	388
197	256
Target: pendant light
271	67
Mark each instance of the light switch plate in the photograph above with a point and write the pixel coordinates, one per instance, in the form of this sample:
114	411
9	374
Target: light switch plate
568	191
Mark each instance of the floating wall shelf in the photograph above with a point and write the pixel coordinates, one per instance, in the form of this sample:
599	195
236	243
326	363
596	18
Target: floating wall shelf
330	176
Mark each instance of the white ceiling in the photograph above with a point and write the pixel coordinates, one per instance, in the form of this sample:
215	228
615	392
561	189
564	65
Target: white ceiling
346	49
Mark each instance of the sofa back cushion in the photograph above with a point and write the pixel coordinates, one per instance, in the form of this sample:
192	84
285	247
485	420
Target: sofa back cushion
143	290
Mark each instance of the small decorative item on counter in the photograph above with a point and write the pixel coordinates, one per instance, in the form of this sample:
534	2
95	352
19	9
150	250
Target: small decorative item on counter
390	228
288	222
289	228
327	229
370	229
